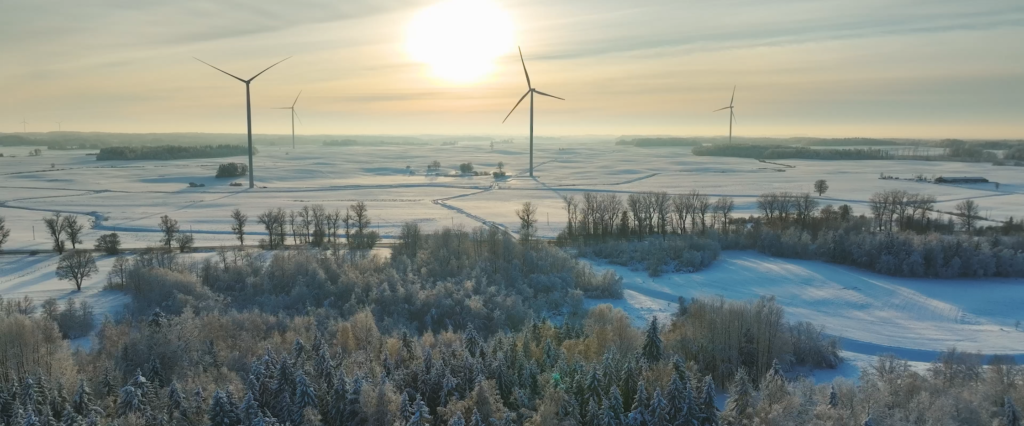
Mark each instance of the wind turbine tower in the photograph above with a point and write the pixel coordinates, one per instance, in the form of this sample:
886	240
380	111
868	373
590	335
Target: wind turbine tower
58	125
24	125
248	109
294	116
732	113
529	91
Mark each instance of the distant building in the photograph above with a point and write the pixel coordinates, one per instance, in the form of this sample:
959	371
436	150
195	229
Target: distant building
961	179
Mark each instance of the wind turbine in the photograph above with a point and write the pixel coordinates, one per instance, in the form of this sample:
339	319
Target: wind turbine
294	116
248	108
529	91
24	125
58	125
732	113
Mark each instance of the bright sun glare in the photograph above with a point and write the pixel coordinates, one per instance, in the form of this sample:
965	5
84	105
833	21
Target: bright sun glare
460	39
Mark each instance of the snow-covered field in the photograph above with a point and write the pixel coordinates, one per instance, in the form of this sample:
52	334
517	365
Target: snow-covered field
872	313
130	196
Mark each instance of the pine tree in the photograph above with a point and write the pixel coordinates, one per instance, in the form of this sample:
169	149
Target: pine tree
833	397
175	402
658	412
739	409
81	402
129	401
476	420
220	412
30	419
592	387
641	402
335	412
593	415
612	414
354	413
107	384
628	383
652	350
471	340
680	402
708	409
1011	416
156	374
249	412
457	420
421	414
323	366
305	397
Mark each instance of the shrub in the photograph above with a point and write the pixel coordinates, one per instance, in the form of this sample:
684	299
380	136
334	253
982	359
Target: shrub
466	168
109	243
228	170
74	320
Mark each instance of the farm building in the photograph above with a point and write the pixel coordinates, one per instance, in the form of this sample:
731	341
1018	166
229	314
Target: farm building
961	179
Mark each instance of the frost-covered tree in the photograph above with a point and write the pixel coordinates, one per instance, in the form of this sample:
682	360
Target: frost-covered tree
1011	415
5	232
708	410
739	409
55	226
169	227
129	401
652	346
221	412
76	266
238	222
73	229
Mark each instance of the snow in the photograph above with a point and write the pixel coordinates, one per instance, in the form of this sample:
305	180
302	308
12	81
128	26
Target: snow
872	313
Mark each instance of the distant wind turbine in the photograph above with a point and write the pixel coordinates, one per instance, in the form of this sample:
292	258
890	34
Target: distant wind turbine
58	125
529	91
248	109
732	113
294	116
24	125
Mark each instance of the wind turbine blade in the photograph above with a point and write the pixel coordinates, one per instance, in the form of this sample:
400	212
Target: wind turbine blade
297	115
272	66
733	117
296	99
733	95
218	69
517	104
282	108
545	94
721	109
528	84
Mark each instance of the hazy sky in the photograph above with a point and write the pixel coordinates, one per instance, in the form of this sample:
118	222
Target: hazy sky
884	68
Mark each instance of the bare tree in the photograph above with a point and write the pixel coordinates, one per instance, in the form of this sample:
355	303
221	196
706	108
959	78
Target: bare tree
239	220
4	232
967	213
724	207
681	211
804	206
119	272
274	221
55	227
185	242
527	222
820	186
170	228
73	229
76	266
572	209
701	206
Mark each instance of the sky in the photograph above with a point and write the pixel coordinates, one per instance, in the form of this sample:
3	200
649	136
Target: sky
829	68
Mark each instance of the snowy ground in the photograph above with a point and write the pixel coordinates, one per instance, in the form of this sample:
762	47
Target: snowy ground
130	196
913	318
872	314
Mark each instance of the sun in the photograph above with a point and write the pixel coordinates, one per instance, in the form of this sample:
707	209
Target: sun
460	39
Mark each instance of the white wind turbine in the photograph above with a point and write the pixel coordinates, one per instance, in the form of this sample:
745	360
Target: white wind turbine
529	91
24	125
248	109
294	116
732	113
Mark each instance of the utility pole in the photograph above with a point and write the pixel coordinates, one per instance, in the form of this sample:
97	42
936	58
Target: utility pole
33	232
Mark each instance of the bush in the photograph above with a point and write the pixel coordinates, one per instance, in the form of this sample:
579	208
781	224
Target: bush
109	243
229	170
466	168
677	253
